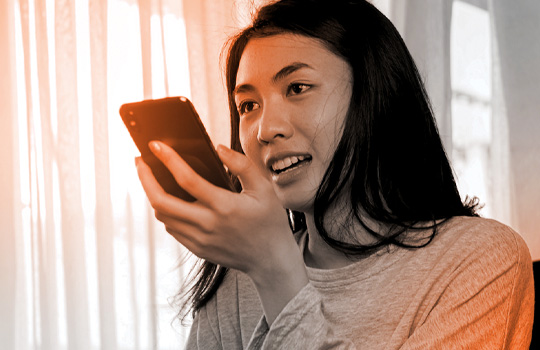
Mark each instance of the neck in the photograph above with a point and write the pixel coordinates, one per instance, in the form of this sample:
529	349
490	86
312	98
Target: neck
318	254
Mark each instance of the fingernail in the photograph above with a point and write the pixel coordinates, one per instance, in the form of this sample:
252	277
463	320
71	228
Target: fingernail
154	146
137	160
222	149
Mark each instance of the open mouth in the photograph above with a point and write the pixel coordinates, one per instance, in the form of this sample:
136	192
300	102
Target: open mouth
289	163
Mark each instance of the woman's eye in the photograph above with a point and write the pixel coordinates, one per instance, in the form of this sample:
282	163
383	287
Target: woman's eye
297	88
246	107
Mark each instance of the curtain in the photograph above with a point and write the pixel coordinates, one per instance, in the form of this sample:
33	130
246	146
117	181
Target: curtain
208	25
516	113
8	178
513	152
84	264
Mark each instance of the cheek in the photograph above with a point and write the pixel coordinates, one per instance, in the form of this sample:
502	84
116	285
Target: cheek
248	140
335	121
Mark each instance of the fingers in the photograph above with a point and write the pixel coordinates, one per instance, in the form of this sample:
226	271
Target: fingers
184	175
204	225
241	166
205	243
185	233
188	241
164	202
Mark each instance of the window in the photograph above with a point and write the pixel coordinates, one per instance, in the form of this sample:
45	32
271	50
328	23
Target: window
471	100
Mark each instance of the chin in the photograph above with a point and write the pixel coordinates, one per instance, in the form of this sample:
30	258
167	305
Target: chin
296	201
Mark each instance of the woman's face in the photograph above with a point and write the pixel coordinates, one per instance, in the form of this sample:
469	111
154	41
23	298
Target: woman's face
292	95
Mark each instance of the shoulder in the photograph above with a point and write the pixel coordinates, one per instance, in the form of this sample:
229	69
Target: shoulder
484	238
474	286
471	257
480	251
493	271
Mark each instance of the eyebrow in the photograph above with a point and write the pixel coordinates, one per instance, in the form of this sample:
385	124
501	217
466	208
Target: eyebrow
287	70
283	73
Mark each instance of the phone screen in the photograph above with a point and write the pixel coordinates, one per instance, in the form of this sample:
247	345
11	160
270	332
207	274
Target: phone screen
175	122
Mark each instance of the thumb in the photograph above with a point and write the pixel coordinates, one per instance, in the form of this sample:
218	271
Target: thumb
241	166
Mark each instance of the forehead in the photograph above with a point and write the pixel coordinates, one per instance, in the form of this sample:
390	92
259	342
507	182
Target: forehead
265	56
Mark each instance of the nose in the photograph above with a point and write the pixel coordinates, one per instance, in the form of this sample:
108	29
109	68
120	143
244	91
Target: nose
274	124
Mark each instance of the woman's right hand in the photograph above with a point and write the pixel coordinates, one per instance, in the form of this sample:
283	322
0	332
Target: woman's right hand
247	231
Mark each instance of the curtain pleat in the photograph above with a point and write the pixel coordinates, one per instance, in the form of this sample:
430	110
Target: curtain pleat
8	205
130	242
68	159
35	234
145	15
427	34
163	51
516	116
152	289
104	220
503	197
48	272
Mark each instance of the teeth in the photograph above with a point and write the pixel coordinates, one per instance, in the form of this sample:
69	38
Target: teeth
287	162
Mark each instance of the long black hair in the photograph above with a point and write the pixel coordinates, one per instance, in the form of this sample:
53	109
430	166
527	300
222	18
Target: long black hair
390	159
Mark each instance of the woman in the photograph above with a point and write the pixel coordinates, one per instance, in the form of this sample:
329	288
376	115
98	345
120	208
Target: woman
331	121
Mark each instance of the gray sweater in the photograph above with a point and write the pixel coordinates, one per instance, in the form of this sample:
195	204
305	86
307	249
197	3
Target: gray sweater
470	288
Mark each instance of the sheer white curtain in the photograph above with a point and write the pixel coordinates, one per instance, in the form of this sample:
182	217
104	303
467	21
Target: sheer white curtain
8	180
516	114
513	151
84	264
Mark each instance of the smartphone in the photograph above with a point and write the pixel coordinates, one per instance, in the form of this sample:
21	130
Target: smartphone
174	121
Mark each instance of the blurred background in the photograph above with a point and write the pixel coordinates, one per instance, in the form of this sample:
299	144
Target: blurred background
83	262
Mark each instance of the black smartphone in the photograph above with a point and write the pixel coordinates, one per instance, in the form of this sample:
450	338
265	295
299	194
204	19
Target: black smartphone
174	121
